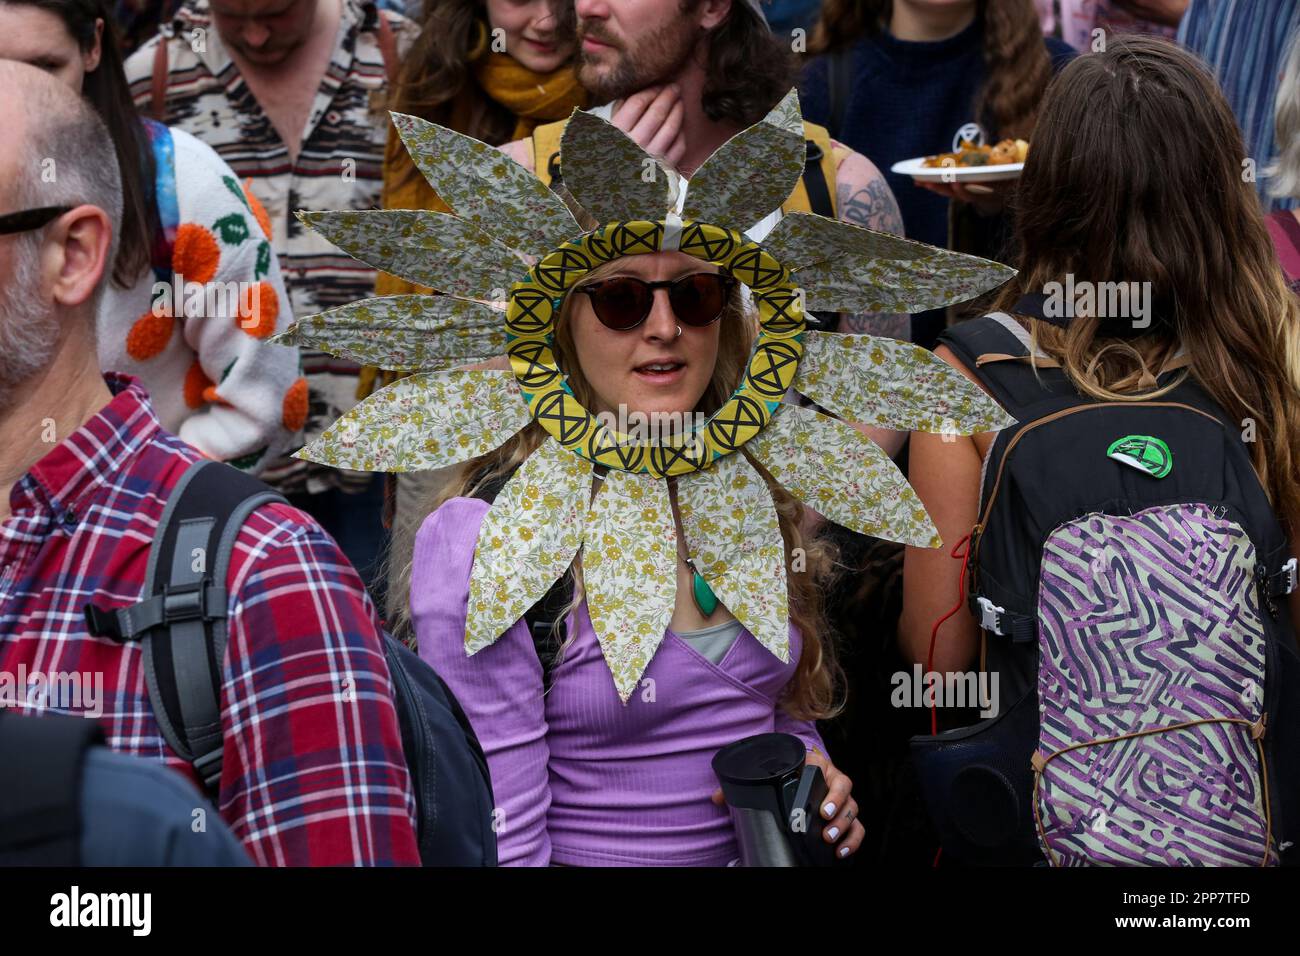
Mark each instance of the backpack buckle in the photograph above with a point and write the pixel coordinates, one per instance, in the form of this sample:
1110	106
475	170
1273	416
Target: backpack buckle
186	603
208	767
103	622
1290	577
990	615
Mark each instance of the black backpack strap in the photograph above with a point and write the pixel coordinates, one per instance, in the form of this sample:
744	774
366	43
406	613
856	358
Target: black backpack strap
546	623
41	760
182	622
997	349
820	200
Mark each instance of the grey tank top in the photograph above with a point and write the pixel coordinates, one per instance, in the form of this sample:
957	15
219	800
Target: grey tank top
713	642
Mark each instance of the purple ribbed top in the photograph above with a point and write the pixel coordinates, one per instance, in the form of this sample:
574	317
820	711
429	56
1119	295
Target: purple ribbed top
581	778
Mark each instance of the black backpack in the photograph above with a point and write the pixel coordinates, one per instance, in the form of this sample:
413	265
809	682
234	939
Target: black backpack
40	818
1129	577
182	625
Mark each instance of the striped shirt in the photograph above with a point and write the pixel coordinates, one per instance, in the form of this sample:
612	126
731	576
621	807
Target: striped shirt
313	771
339	166
1245	42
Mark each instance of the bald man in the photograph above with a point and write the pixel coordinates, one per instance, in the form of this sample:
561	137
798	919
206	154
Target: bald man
312	770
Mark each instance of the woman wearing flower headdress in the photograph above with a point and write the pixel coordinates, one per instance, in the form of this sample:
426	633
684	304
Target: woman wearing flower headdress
635	476
616	795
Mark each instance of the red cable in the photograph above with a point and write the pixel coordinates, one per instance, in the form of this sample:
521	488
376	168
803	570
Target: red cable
934	633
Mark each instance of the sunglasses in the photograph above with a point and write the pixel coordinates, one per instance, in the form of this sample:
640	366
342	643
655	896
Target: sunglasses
624	302
26	220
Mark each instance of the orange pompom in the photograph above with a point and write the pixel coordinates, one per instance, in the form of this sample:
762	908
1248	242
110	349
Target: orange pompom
259	211
196	254
196	383
258	312
212	398
294	411
149	335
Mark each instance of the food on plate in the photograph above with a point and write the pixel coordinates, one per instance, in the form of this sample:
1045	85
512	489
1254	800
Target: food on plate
971	154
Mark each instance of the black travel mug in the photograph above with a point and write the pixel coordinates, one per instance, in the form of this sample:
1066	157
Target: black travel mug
775	799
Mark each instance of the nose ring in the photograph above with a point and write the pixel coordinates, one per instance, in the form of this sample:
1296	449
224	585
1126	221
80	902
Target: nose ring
679	332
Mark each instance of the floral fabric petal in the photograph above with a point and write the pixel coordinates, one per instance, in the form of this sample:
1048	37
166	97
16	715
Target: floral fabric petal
803	239
404	332
629	563
528	539
855	283
433	249
839	472
731	529
424	421
893	384
486	187
752	173
609	175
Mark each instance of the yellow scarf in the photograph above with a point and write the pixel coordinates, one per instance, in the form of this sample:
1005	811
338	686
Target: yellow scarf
534	98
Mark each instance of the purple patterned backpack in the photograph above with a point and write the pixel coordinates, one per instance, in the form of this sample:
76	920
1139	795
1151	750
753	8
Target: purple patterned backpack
1130	577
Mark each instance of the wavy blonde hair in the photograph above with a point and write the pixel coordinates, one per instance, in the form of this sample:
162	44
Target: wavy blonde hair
814	691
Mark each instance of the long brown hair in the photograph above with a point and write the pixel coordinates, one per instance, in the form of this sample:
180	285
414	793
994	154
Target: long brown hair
1135	175
105	88
747	69
436	71
813	691
1018	65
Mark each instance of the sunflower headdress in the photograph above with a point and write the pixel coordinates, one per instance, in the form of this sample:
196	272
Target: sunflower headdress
503	263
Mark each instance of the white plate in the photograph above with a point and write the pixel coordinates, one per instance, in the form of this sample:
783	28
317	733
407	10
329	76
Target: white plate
917	169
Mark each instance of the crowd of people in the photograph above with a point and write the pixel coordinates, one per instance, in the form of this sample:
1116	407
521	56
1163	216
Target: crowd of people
206	202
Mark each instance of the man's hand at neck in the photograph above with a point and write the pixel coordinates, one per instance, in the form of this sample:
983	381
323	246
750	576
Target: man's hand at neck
669	123
61	400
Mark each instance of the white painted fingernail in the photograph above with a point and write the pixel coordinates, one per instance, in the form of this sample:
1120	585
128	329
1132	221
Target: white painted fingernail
829	809
833	833
844	851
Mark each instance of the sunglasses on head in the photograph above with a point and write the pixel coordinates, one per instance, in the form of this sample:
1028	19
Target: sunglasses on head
624	302
26	220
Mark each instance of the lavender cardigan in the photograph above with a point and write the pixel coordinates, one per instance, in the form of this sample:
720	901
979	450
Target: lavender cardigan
580	778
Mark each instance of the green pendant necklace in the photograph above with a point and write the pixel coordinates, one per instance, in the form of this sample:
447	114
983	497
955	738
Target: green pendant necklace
705	599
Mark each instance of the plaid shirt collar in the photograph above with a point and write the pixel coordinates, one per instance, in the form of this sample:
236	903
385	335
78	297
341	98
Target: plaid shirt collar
96	454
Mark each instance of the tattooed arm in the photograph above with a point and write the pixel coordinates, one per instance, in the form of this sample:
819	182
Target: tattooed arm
863	198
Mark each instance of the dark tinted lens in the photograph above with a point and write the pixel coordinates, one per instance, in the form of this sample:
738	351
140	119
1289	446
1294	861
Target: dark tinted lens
622	302
698	299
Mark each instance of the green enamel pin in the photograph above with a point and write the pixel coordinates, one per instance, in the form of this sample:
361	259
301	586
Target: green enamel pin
1144	453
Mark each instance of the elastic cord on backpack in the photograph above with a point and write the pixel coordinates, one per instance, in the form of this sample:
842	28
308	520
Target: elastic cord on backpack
934	632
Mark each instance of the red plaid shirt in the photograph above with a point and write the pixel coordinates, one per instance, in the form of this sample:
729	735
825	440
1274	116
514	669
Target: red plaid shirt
313	769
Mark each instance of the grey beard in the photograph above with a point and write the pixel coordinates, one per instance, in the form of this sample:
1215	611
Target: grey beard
29	332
